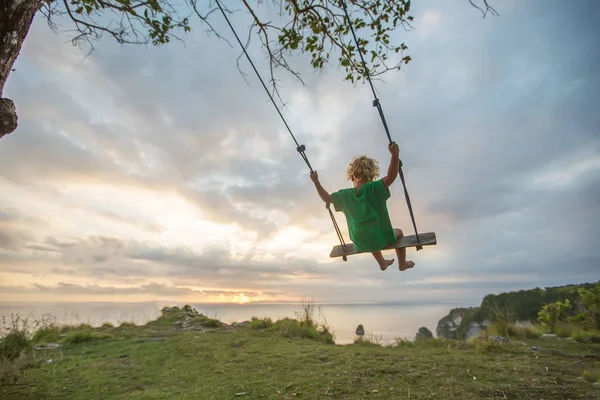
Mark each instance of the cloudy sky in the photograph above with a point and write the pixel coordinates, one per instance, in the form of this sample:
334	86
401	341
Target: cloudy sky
145	173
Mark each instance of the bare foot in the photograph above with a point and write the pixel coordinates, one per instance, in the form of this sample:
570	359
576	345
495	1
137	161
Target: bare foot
386	263
407	265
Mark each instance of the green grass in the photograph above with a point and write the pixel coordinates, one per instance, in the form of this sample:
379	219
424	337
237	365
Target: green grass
565	330
261	323
576	333
511	331
47	334
592	373
263	364
84	336
586	336
296	358
294	329
368	340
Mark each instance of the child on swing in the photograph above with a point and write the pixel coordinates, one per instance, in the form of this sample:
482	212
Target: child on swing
365	207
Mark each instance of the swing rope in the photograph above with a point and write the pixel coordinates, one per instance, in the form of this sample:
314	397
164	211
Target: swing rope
300	148
387	131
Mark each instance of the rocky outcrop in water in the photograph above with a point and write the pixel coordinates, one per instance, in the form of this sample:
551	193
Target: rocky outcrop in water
360	330
423	334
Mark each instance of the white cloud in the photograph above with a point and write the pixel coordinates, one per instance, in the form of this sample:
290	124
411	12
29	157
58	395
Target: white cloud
162	165
567	175
430	23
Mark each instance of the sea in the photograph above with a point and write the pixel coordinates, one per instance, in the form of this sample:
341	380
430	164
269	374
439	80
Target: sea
382	322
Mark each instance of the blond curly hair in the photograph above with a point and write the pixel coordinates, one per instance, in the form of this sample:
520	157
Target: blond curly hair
362	168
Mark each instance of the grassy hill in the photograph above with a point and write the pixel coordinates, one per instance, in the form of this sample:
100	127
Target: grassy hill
185	355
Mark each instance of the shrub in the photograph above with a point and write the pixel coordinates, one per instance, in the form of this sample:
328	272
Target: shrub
209	322
564	330
16	352
309	325
13	344
292	328
306	314
14	338
47	335
261	323
190	309
553	314
510	330
589	308
585	336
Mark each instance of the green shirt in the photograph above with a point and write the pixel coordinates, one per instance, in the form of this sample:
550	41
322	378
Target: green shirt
367	215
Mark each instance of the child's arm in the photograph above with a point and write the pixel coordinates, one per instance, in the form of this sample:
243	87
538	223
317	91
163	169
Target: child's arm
325	196
394	165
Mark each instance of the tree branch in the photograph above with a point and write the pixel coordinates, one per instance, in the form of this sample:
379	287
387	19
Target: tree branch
488	8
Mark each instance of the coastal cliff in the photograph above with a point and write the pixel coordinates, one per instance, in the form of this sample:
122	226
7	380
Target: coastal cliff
518	307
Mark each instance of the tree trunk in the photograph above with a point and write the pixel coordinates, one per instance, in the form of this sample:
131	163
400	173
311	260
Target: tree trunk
16	17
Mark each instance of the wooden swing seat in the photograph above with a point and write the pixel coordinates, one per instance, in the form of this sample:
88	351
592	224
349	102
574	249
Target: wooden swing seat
425	239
